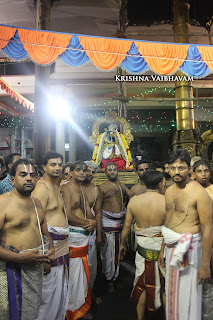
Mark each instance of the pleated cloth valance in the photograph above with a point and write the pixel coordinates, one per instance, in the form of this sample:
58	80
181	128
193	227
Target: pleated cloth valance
44	47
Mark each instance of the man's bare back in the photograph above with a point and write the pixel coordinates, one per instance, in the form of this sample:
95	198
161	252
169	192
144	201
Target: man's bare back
181	206
18	222
148	209
137	189
52	202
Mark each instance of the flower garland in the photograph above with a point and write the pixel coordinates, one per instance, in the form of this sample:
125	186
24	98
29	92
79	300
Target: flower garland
130	164
96	152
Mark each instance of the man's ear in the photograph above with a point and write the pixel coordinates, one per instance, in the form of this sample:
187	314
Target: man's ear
12	178
10	166
44	168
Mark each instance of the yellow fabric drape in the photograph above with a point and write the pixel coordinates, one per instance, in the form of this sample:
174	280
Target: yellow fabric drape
44	52
207	55
115	51
6	33
151	53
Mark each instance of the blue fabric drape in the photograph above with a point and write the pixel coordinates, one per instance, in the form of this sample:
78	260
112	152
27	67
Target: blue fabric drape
195	66
14	49
134	62
74	57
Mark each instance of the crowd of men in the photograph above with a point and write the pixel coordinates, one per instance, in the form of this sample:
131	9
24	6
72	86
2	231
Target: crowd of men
54	220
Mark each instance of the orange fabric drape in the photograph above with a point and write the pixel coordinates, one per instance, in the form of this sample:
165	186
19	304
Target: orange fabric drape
115	51
6	33
151	53
44	52
207	55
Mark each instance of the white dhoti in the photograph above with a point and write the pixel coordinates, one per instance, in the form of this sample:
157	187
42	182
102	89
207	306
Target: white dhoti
92	258
112	225
79	280
148	275
183	260
55	285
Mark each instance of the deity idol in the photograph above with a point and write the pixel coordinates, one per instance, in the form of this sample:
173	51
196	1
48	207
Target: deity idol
111	146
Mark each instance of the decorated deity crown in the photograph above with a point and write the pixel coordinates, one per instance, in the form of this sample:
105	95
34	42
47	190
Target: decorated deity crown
112	127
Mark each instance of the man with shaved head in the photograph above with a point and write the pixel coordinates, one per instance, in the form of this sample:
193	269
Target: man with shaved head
113	196
81	222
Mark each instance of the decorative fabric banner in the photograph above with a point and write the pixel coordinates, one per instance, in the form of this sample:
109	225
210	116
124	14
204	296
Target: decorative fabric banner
15	49
76	57
6	33
105	53
163	58
193	65
44	47
134	62
16	96
207	55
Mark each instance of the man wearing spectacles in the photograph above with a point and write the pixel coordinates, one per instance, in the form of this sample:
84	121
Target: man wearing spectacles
188	239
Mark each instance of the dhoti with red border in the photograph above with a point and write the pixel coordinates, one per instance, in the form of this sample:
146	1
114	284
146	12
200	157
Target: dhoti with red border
183	260
148	275
55	285
112	225
79	280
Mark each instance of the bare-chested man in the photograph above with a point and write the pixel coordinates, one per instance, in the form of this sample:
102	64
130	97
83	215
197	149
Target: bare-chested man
113	213
139	188
94	198
149	212
22	249
188	236
82	222
55	285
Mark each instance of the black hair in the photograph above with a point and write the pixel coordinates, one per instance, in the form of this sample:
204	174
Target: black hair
79	163
166	175
182	155
110	164
159	165
18	162
67	165
200	163
138	163
165	162
151	178
9	159
2	162
51	155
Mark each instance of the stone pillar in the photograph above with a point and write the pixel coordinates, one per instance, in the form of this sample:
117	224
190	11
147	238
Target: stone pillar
60	137
185	136
12	132
122	87
72	144
41	132
23	149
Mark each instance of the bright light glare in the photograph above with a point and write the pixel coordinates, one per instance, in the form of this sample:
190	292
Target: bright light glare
58	108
